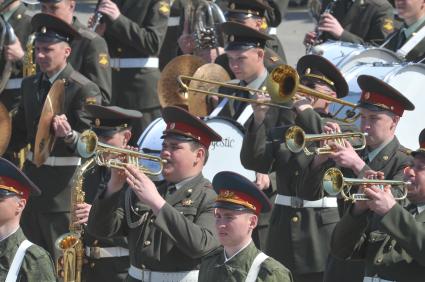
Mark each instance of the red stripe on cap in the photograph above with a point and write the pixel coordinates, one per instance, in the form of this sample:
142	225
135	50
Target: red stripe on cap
422	145
236	197
10	184
196	133
380	100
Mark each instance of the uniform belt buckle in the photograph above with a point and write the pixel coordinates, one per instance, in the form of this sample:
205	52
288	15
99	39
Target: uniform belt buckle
297	202
95	252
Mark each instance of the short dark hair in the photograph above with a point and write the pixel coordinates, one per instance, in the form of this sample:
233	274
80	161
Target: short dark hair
196	145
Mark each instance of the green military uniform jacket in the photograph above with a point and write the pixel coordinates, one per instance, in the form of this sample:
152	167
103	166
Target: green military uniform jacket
111	269
299	238
214	268
36	265
363	21
90	57
392	246
174	240
21	24
397	39
53	181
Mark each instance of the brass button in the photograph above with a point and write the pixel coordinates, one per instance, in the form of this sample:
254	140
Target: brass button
379	260
147	243
92	264
189	190
136	209
143	266
296	173
295	219
152	220
19	16
119	50
95	242
181	212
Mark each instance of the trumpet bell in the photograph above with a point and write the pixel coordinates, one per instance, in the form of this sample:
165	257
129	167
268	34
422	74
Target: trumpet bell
282	84
86	144
333	181
295	139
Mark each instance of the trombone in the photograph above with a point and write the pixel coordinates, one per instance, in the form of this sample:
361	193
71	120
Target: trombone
334	182
88	145
296	140
262	91
288	80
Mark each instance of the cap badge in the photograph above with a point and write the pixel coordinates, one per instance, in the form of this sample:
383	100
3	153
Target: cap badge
97	122
43	29
232	6
187	202
366	95
172	125
307	71
231	38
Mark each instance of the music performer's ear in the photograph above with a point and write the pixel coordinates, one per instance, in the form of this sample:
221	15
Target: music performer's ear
127	137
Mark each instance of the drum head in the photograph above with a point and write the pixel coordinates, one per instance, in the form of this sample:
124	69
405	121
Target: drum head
371	56
225	155
336	51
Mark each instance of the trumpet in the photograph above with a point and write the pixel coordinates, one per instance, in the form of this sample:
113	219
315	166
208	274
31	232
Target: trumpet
88	145
334	182
286	83
296	140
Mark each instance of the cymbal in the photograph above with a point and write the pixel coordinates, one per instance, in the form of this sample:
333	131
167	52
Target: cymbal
169	89
197	102
5	128
45	139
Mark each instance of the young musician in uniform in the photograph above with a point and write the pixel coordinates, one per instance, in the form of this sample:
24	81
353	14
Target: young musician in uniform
238	204
47	217
302	218
413	15
169	227
380	231
20	260
90	54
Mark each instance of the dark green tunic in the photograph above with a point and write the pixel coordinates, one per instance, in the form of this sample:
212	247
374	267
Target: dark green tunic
214	268
36	266
391	246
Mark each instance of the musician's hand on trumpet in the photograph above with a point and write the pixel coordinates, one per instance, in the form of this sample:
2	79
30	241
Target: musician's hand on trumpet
144	188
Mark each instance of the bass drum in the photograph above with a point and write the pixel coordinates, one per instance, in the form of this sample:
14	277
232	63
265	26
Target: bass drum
409	79
336	51
224	155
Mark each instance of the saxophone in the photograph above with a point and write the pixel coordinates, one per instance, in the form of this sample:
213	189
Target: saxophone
69	266
28	69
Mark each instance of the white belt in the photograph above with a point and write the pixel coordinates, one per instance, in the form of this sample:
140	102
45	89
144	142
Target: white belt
173	21
295	202
147	275
13	83
129	63
58	161
109	252
375	279
272	31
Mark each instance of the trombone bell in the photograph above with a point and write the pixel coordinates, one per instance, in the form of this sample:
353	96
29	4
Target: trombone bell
334	182
113	157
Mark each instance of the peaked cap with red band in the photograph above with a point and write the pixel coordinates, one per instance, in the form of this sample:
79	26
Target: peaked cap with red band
421	149
181	123
236	192
379	96
14	182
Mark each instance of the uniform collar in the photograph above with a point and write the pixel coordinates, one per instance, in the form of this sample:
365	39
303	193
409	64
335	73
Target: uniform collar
372	154
184	182
226	259
410	30
9	245
256	83
53	78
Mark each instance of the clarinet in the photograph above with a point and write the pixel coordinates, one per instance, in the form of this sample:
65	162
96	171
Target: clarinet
319	34
96	18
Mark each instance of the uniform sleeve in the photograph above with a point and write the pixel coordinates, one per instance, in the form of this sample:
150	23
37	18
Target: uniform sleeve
19	136
147	36
349	236
38	266
97	67
194	238
409	233
106	218
273	271
88	94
